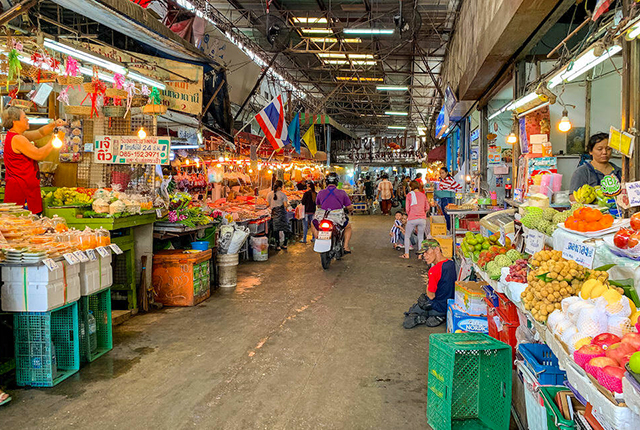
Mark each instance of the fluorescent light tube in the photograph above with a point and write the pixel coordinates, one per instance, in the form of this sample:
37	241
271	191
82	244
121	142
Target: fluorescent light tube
83	56
523	101
391	88
331	55
335	61
304	20
396	113
361	56
38	121
372	31
583	64
364	62
397	127
316	30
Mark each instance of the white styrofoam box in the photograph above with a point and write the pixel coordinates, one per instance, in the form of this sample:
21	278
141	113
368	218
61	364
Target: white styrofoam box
89	278
610	416
631	394
40	297
21	293
536	411
106	272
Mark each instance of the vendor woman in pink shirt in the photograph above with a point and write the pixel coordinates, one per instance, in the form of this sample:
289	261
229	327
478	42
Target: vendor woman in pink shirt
417	208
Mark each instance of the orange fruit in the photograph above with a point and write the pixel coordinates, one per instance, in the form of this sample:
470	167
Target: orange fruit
579	213
607	220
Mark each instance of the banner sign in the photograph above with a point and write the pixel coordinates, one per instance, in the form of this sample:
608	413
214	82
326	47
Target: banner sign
579	252
131	150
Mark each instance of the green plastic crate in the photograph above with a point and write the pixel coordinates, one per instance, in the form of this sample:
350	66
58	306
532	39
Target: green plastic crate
555	420
469	383
34	333
100	304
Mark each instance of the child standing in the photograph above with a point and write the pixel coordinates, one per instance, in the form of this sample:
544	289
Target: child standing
397	231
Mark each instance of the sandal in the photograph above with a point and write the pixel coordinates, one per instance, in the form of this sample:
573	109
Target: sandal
405	256
4	398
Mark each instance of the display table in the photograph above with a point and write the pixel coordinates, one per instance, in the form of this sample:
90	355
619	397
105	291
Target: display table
122	234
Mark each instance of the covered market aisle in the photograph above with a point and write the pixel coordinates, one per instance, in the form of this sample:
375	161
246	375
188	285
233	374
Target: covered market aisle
312	349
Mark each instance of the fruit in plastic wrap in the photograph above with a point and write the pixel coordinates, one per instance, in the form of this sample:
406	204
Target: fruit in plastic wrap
592	321
605	340
549	213
578	341
619	326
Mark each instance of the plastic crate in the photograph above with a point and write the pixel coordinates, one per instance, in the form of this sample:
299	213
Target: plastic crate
469	382
35	333
536	412
542	363
508	309
491	296
555	420
100	304
500	329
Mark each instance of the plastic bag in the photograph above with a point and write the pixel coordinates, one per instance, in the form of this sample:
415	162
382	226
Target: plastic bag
554	318
563	326
514	291
239	237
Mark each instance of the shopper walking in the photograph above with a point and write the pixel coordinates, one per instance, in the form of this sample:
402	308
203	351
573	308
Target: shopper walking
417	209
278	203
401	191
309	202
446	189
385	194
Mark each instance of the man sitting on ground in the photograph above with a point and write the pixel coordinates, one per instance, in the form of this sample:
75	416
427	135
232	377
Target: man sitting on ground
431	308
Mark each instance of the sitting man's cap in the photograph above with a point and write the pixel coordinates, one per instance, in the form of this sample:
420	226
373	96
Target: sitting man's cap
430	244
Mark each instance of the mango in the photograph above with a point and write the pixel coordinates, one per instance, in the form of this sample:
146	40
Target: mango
597	291
587	287
611	296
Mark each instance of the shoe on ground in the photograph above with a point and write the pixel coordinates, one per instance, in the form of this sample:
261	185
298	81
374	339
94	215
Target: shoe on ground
435	321
412	320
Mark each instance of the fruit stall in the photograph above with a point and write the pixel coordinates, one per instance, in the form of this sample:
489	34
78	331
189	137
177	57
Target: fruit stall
559	287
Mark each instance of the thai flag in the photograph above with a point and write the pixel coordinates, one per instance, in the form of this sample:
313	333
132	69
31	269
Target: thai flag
272	123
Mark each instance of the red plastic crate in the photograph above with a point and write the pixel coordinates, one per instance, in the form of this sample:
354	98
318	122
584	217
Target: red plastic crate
508	332
508	309
473	225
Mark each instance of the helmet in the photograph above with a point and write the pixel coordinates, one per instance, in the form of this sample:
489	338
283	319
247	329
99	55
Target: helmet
332	179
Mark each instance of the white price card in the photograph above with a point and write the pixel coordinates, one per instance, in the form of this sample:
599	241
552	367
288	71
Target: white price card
503	237
92	255
51	265
581	253
115	248
71	258
633	192
159	213
103	251
81	256
533	241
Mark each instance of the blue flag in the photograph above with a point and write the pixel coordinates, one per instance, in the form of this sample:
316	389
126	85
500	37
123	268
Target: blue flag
294	132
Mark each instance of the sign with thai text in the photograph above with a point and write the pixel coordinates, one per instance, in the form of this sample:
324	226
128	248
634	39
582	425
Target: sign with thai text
581	253
131	150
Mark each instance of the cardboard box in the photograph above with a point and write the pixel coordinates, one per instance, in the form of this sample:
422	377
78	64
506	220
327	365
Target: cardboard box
438	225
460	321
446	244
470	296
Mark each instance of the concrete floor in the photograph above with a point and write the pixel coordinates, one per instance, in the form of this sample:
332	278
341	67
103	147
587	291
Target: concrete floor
293	347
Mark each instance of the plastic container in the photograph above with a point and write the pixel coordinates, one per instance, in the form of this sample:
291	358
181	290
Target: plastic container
491	296
103	237
91	332
202	245
181	278
555	419
227	270
536	412
36	335
260	248
99	304
469	382
540	360
36	289
507	308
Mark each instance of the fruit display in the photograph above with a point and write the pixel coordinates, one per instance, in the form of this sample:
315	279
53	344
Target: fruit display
546	220
518	271
588	219
473	244
552	279
629	238
602	200
70	197
585	194
495	258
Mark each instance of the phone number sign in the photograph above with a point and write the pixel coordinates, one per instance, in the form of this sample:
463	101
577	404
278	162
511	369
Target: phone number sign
131	150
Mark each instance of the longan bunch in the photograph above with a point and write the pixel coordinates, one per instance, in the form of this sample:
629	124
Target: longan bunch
560	279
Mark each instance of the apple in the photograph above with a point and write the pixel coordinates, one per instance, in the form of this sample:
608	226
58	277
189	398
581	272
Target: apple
611	378
621	238
625	359
618	350
635	221
602	362
633	339
605	340
615	371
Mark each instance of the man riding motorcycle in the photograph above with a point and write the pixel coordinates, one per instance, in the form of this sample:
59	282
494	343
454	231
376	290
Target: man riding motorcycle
336	201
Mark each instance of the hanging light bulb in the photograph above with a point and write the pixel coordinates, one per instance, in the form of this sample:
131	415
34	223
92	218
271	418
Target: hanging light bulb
218	165
221	158
512	138
250	170
565	125
142	134
269	171
187	162
56	142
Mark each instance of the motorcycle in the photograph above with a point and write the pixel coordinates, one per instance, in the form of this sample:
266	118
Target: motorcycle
330	241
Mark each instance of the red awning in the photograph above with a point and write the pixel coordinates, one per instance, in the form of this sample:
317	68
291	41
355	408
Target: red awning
438	153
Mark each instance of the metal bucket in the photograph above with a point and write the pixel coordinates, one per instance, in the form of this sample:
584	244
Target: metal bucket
227	270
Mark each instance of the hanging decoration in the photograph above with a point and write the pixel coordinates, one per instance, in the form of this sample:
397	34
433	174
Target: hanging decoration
63	97
94	89
13	93
145	90
43	68
155	105
154	97
130	88
71	67
15	67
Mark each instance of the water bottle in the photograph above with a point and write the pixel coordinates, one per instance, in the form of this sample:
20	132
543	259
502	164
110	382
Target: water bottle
93	335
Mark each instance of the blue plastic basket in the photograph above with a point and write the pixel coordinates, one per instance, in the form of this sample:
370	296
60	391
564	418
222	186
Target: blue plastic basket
201	245
491	295
541	361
